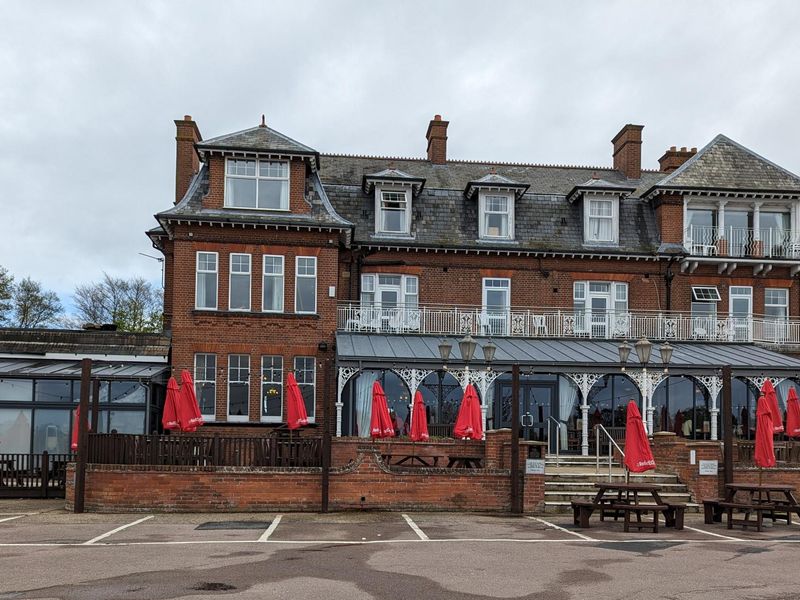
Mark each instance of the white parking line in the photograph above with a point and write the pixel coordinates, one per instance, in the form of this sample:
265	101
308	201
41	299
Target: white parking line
416	528
11	518
271	529
103	536
554	526
719	535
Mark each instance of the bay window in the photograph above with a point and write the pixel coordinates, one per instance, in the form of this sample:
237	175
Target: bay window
258	184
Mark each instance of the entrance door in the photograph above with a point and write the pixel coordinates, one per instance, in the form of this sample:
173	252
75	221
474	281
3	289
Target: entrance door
537	402
599	303
741	312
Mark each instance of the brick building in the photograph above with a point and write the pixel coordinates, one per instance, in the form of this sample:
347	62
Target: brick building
352	269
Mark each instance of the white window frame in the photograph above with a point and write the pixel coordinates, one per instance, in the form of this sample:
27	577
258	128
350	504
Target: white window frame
248	274
617	306
297	277
279	383
313	413
587	218
379	191
492	320
285	205
705	293
238	418
199	381
199	271
483	196
784	305
278	276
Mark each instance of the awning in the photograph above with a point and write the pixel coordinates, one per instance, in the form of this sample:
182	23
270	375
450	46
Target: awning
71	369
369	350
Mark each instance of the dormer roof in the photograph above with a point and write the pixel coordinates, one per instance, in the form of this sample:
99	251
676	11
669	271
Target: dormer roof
494	181
597	185
257	140
392	175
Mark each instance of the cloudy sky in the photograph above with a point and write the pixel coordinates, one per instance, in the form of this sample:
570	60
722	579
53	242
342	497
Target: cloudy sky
89	92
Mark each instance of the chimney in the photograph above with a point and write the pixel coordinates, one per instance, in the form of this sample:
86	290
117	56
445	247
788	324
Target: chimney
187	162
674	158
628	151
437	140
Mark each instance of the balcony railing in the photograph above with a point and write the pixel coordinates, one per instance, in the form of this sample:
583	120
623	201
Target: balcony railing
741	243
565	323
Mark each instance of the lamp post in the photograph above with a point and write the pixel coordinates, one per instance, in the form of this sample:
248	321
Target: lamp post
644	348
467	346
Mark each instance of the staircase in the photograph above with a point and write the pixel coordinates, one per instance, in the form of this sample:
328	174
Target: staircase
575	476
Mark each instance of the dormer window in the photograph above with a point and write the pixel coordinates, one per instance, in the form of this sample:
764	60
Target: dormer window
601	225
496	215
257	184
393	210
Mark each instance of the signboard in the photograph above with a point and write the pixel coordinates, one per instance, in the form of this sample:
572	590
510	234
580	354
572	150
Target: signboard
534	466
709	467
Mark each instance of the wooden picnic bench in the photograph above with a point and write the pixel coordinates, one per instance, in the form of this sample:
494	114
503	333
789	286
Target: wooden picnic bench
458	461
747	509
640	509
408	460
712	511
622	500
776	501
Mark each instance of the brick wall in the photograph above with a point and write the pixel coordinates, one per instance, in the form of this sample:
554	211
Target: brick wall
671	454
780	475
669	218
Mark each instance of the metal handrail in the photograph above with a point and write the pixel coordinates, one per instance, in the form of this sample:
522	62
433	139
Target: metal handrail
558	437
597	429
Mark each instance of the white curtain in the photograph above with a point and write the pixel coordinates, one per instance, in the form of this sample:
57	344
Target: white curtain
567	399
364	401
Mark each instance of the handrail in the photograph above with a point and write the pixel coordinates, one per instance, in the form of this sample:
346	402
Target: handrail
597	429
558	437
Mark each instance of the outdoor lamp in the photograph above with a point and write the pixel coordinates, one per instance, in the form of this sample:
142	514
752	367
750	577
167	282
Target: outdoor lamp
624	352
666	354
488	351
643	349
444	352
467	347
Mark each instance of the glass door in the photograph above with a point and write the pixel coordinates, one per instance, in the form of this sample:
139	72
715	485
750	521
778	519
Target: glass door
496	306
537	402
741	312
599	302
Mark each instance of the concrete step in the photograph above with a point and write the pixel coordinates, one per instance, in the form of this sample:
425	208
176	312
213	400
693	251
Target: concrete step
592	477
567	495
589	485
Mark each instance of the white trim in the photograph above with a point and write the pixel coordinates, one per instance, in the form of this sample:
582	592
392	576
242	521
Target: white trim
482	195
311	417
392	188
297	278
238	418
503	319
197	272
206	417
270	418
587	201
282	277
249	274
258	177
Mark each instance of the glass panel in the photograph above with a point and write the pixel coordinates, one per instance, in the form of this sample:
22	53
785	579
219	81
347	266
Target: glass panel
128	392
273	194
273	169
51	432
206	290
126	421
15	430
240	292
701	218
205	388
241	193
53	390
306	294
389	280
272	386
304	371
393	221
238	388
16	390
273	292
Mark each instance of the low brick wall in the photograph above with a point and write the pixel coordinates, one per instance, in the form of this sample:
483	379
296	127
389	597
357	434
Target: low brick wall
672	455
782	475
365	482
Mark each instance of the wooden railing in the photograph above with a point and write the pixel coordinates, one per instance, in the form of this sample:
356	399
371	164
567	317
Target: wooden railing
33	475
785	452
216	451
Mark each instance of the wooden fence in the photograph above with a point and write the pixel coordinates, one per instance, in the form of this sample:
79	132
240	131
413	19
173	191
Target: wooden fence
212	451
40	475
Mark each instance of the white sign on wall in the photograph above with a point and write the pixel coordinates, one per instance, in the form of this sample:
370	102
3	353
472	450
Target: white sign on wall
709	467
534	466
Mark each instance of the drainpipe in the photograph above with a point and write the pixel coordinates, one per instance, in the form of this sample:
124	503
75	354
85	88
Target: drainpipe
668	276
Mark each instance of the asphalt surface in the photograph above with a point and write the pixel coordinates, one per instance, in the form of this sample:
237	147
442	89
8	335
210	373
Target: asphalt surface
48	553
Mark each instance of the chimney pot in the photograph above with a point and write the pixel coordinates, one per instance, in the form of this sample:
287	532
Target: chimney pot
683	148
437	140
673	148
628	151
674	158
694	149
187	117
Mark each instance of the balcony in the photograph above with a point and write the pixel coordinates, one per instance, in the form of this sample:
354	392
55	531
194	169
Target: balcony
741	242
564	323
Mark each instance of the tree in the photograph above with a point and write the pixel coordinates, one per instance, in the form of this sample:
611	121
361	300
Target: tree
34	306
6	294
130	304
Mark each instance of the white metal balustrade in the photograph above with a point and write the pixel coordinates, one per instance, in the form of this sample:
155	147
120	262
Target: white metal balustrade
565	323
741	242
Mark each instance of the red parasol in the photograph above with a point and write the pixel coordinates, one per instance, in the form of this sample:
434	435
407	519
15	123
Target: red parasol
381	425
169	419
187	409
638	456
295	407
792	414
769	393
468	421
419	421
75	424
765	448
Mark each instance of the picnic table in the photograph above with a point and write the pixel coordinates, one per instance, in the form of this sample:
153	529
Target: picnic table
629	499
408	460
770	499
464	461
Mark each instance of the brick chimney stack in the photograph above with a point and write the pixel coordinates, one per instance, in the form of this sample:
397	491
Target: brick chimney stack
437	140
628	151
674	158
187	162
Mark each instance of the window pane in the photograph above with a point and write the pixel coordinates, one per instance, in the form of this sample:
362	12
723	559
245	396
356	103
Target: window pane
497	225
272	386
393	221
273	168
15	430
306	295
273	293
306	265
305	374
238	399
206	290
128	392
206	393
240	292
241	193
53	391
126	421
273	194
51	432
273	265
16	390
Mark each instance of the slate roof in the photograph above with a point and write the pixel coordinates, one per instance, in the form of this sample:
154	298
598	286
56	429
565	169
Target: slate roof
442	217
191	208
259	139
599	185
727	165
493	180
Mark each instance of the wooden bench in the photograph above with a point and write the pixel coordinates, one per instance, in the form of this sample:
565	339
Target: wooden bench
464	462
712	511
408	460
747	509
581	512
638	510
674	515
